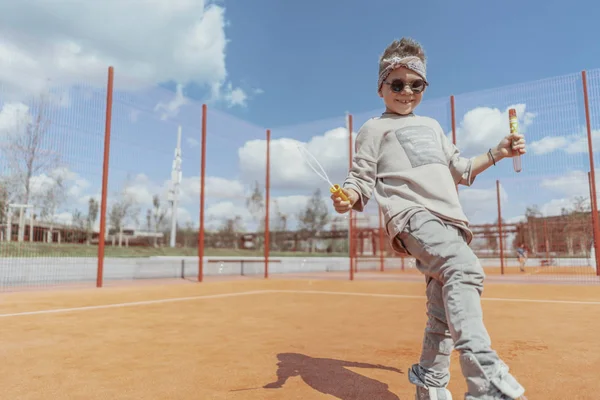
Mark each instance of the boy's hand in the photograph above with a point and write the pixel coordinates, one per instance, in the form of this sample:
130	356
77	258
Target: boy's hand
342	206
512	145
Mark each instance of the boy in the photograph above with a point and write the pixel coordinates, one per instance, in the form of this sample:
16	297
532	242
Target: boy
413	169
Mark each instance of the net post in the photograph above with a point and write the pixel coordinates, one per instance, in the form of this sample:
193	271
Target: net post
267	201
107	126
593	199
500	236
351	212
589	175
202	196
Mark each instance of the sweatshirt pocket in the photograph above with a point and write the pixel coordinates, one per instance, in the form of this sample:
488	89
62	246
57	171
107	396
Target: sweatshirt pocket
421	145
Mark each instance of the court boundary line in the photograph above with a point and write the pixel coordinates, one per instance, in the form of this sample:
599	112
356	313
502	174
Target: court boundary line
131	304
274	291
407	296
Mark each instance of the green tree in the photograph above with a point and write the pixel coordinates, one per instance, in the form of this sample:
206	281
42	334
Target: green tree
91	218
155	218
256	206
314	217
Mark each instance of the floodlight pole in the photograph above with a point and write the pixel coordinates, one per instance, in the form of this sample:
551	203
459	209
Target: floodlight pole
175	181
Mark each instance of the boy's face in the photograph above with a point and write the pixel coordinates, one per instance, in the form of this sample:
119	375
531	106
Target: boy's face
402	101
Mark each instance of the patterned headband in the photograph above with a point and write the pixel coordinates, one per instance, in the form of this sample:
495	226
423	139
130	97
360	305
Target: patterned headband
413	63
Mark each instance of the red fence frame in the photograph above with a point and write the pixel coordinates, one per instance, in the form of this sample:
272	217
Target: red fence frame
352	216
593	199
267	201
202	195
108	124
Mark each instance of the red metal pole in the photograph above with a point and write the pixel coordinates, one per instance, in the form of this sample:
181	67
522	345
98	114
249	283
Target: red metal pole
107	126
381	242
501	241
546	240
202	187
592	207
267	201
350	214
594	199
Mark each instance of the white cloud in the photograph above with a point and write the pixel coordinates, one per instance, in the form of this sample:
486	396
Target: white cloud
289	169
171	109
217	214
62	43
289	206
516	219
548	144
570	144
480	205
192	142
568	187
555	206
572	183
142	189
13	118
483	127
235	96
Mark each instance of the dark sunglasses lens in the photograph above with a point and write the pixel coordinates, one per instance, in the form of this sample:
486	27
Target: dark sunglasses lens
397	86
418	86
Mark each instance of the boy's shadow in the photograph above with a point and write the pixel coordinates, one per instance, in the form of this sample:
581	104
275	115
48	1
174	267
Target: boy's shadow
332	377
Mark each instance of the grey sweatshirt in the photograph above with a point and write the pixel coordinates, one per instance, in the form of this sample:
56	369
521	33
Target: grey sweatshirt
410	165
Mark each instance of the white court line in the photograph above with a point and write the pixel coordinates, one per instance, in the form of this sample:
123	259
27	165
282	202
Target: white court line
236	294
132	304
405	296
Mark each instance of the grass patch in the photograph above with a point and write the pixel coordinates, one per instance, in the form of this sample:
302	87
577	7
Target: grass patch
15	249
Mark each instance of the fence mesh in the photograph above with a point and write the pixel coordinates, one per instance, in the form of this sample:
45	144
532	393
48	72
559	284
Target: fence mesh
51	157
593	82
553	184
235	193
153	185
51	171
307	235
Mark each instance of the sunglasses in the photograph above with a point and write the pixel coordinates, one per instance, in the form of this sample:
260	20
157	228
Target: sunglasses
398	85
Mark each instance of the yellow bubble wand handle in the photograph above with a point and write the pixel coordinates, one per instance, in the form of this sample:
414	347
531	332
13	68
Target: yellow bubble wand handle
333	188
514	129
337	190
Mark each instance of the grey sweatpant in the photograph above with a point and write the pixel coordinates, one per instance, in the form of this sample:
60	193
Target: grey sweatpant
454	279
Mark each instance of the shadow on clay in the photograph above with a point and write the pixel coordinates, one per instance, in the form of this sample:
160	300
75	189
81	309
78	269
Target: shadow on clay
330	376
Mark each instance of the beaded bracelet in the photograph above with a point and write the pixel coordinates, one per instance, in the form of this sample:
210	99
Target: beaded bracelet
491	156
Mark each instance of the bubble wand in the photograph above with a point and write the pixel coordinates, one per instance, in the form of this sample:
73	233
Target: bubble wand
514	129
333	188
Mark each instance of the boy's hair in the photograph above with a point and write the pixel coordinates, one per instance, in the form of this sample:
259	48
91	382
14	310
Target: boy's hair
405	49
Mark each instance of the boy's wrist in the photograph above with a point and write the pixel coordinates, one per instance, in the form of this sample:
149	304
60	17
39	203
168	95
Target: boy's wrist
497	154
356	197
353	195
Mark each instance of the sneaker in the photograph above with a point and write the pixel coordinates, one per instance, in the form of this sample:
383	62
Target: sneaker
432	394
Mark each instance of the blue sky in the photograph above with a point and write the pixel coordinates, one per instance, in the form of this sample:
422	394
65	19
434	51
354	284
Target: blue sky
319	59
302	66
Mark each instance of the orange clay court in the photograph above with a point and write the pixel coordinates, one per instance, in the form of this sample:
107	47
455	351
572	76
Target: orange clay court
279	339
